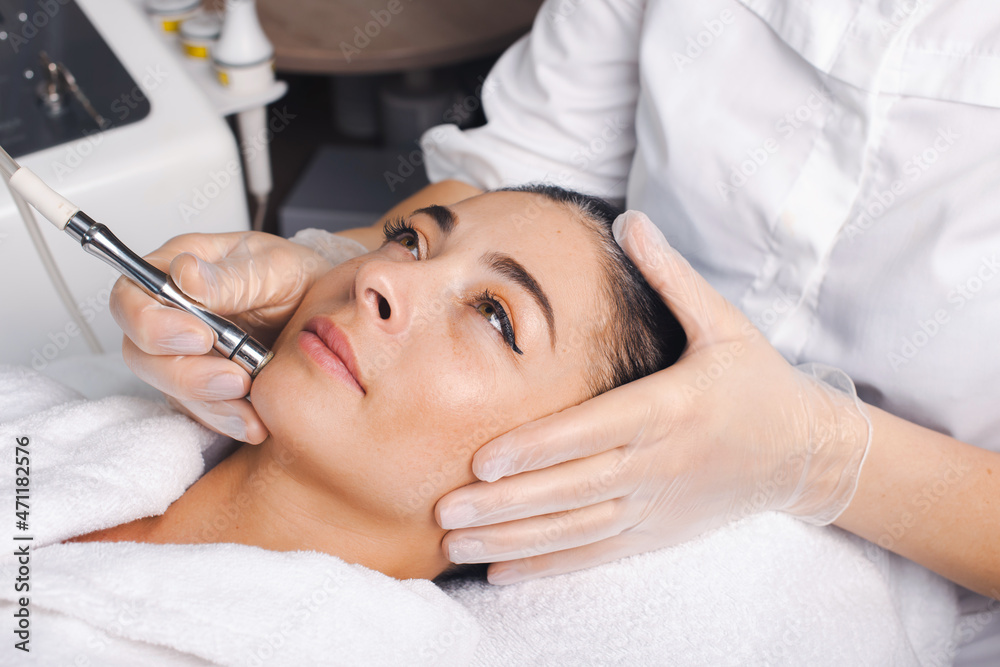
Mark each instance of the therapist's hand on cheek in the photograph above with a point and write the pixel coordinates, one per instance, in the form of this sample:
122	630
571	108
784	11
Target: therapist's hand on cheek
730	430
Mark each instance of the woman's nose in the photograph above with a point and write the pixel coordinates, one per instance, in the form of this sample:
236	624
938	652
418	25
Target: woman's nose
381	289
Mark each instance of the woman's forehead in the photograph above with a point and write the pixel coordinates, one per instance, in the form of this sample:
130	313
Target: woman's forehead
525	219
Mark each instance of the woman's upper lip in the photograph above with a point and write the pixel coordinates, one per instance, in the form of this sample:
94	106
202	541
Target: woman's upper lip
335	339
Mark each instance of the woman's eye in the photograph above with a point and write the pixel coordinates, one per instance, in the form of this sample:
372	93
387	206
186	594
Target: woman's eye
409	241
497	317
489	311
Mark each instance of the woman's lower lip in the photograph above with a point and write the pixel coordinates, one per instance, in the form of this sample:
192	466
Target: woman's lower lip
317	350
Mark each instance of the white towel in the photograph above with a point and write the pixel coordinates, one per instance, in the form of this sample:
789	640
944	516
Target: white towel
769	590
99	463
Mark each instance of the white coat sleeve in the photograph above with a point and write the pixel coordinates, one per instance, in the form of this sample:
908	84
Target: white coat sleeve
559	104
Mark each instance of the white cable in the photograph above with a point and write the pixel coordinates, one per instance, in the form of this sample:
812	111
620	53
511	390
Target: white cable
50	265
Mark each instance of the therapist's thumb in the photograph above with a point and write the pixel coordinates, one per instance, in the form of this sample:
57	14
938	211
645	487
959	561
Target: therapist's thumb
703	313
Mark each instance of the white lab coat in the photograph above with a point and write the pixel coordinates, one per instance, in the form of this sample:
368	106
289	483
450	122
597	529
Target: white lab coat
832	168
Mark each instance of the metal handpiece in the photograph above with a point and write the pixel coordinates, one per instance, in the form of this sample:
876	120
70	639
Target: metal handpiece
231	340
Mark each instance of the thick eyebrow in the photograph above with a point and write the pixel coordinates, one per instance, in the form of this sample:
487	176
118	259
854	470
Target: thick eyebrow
510	268
442	215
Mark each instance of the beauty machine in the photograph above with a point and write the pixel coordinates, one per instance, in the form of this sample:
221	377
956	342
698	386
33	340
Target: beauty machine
106	103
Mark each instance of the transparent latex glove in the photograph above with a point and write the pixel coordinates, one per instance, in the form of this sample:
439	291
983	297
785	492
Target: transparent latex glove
256	280
730	430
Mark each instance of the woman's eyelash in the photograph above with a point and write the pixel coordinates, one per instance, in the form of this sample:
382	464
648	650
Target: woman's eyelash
393	227
506	328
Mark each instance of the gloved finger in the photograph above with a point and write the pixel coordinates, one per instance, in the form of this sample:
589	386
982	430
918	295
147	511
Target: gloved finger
202	281
210	246
600	424
559	488
203	377
154	327
559	562
255	288
236	419
704	314
229	287
535	536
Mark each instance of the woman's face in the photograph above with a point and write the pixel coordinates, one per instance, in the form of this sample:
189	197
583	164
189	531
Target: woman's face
401	363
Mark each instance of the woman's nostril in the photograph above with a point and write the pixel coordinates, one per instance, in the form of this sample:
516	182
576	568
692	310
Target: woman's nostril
383	308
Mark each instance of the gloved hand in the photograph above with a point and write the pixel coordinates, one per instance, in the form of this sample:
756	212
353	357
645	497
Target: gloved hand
256	280
730	430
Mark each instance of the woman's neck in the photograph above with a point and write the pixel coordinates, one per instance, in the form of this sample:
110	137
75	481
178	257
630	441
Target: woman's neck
254	497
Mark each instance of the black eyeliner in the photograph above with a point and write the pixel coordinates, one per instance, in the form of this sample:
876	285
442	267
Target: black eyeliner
507	329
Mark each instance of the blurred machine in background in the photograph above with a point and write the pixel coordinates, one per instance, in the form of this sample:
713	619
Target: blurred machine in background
99	101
